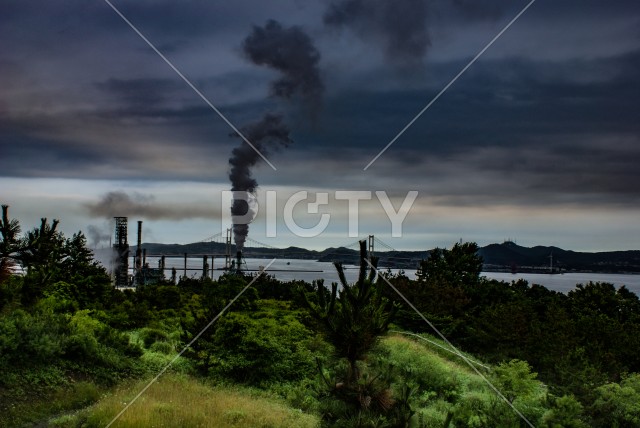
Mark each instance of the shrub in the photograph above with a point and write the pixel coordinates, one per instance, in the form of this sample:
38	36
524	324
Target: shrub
258	351
565	412
618	405
162	347
149	336
83	329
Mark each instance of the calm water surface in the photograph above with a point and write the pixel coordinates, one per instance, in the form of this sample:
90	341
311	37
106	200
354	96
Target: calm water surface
309	270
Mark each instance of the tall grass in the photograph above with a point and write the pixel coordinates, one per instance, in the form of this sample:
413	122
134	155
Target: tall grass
446	387
436	369
179	401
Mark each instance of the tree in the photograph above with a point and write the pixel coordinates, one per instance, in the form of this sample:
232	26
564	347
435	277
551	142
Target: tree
461	265
355	319
9	242
618	405
50	258
41	251
352	321
565	412
515	379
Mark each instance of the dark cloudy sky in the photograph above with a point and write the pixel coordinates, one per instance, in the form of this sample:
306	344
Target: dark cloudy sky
538	141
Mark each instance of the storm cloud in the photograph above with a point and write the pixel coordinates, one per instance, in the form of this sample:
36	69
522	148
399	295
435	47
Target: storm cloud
546	118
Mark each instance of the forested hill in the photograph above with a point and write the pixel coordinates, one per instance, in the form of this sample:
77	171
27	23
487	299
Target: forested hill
505	256
511	255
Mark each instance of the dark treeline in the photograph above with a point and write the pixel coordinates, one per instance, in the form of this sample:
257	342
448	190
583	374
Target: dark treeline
575	341
64	327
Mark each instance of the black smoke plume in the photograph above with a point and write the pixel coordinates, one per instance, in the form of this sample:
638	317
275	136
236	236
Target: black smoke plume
266	135
400	24
291	52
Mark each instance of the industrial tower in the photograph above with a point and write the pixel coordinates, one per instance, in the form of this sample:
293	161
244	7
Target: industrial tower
121	253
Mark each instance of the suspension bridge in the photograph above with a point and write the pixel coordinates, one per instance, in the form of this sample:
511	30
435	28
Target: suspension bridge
221	247
219	253
253	247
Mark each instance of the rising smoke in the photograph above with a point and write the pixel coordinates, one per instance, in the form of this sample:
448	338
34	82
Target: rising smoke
269	133
401	25
291	52
118	203
98	235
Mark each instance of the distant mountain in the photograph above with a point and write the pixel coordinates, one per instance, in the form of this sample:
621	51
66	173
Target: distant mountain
507	256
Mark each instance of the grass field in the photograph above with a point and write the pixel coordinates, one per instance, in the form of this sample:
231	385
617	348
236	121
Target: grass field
185	402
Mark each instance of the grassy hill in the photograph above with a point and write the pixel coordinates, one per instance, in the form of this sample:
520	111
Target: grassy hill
445	389
184	401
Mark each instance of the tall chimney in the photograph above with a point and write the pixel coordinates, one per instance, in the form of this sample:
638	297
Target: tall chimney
139	247
238	261
121	248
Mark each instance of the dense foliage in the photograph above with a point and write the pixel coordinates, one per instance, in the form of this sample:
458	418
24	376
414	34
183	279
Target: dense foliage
570	360
575	341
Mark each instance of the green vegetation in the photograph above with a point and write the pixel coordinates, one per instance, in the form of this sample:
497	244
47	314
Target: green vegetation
73	349
186	402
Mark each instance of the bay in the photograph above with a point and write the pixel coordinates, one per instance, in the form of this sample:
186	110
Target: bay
309	270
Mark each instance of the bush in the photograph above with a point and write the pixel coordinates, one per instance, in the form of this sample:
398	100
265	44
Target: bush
565	412
162	347
149	336
27	338
83	329
426	370
258	351
618	405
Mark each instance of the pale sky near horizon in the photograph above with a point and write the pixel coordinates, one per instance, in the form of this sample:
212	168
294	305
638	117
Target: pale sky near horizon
538	141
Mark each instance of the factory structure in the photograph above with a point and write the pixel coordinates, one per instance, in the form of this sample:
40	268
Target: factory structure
141	273
121	253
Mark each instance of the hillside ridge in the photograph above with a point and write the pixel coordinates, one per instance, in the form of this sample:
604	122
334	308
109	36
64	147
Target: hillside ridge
507	256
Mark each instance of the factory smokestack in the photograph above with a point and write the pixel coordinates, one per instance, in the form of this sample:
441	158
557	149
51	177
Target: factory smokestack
121	250
139	247
239	262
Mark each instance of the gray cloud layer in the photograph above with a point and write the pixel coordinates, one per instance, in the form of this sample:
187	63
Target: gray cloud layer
400	25
547	117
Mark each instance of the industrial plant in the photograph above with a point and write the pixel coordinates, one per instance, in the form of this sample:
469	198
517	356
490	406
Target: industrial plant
142	273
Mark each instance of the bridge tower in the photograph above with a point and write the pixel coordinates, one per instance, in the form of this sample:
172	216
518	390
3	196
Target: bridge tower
372	241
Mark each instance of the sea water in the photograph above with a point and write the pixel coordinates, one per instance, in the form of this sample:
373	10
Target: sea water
309	270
